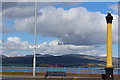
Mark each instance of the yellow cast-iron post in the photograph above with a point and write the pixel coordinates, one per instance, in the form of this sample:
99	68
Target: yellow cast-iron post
109	69
109	46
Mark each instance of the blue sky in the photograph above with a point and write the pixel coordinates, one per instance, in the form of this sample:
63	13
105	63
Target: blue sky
101	7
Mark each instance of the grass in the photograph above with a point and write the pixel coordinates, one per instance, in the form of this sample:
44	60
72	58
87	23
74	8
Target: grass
15	78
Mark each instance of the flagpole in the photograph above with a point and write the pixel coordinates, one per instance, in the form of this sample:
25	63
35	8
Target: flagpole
34	58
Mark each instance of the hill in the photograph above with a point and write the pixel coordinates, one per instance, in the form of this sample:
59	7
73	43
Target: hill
69	60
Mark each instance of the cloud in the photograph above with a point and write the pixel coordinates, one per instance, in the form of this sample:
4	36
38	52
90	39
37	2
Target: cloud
6	5
13	39
18	12
74	26
26	9
15	43
9	53
0	17
15	47
55	49
21	10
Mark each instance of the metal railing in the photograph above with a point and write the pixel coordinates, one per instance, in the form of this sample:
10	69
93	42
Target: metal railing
65	69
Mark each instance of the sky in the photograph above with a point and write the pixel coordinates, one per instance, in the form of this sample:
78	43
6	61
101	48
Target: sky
62	28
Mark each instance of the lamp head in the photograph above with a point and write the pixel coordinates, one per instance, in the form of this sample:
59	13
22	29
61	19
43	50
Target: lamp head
109	17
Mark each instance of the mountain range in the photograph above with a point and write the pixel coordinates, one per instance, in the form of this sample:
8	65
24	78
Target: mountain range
68	60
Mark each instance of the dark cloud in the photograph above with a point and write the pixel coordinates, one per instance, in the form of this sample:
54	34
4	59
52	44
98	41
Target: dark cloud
6	5
87	39
26	9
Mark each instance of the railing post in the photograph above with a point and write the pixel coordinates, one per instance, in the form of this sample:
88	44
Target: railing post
38	69
92	70
64	69
51	69
25	69
13	69
78	70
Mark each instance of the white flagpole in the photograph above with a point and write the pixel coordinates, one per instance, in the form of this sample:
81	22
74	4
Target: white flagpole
34	59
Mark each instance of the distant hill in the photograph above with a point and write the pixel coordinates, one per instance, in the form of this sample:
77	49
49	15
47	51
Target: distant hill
69	60
39	55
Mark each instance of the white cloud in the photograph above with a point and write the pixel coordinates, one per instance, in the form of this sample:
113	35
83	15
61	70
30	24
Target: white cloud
15	47
74	26
14	43
14	39
95	52
55	49
9	53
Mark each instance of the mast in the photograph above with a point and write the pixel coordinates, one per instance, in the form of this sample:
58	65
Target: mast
34	58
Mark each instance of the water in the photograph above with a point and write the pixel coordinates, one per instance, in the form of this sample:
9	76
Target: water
65	69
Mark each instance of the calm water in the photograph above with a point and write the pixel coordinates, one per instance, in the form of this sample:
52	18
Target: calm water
66	69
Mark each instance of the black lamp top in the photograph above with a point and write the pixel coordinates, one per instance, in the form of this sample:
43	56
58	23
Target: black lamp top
109	18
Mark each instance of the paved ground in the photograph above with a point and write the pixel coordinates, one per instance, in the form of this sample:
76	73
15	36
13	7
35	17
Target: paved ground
25	76
60	79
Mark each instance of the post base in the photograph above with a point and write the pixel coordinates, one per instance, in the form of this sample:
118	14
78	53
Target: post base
108	75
